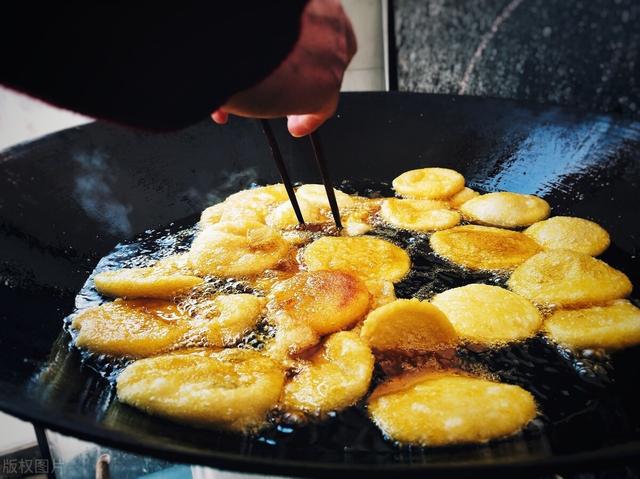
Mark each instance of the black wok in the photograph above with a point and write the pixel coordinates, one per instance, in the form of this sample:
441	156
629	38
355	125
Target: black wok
68	198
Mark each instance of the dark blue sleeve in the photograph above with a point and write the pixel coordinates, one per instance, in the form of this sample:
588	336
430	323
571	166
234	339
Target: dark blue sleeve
153	65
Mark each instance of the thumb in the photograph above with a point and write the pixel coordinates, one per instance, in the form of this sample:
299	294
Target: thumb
302	125
220	117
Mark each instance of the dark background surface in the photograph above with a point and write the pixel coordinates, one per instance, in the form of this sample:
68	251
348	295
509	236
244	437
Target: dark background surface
580	53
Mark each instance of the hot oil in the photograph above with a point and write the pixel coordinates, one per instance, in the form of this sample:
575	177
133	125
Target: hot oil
582	397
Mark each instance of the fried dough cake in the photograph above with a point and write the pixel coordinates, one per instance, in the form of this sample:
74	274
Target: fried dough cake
483	247
312	304
408	325
225	318
132	328
284	217
232	389
316	195
333	378
328	301
567	232
563	278
418	215
488	314
252	204
148	282
445	408
429	183
614	325
241	248
506	209
462	196
363	256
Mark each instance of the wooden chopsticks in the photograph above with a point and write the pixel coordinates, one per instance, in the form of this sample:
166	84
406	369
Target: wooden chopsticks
277	157
326	179
322	166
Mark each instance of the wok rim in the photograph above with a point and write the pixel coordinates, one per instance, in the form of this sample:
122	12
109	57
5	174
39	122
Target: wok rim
621	454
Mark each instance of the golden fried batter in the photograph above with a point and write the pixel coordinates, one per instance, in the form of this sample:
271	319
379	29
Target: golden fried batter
355	227
284	217
334	378
483	247
315	208
225	318
241	248
418	215
173	264
233	389
567	232
328	301
408	325
356	218
488	314
506	209
249	205
440	409
144	283
382	292
363	256
212	214
462	196
260	196
612	326
291	337
316	195
565	278
132	328
429	183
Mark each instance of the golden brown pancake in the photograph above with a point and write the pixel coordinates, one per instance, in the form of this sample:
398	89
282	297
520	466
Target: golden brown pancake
144	283
365	257
232	389
418	215
429	183
408	325
250	205
462	196
563	278
328	301
132	328
567	232
334	378
284	217
441	409
614	325
225	318
506	209
488	314
236	249
483	247
317	195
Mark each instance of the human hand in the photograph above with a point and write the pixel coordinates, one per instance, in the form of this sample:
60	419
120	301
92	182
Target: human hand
306	85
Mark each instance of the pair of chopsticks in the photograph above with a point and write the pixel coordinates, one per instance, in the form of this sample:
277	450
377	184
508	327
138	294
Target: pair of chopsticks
322	166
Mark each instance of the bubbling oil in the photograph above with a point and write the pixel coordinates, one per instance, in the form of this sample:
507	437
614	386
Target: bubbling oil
573	389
